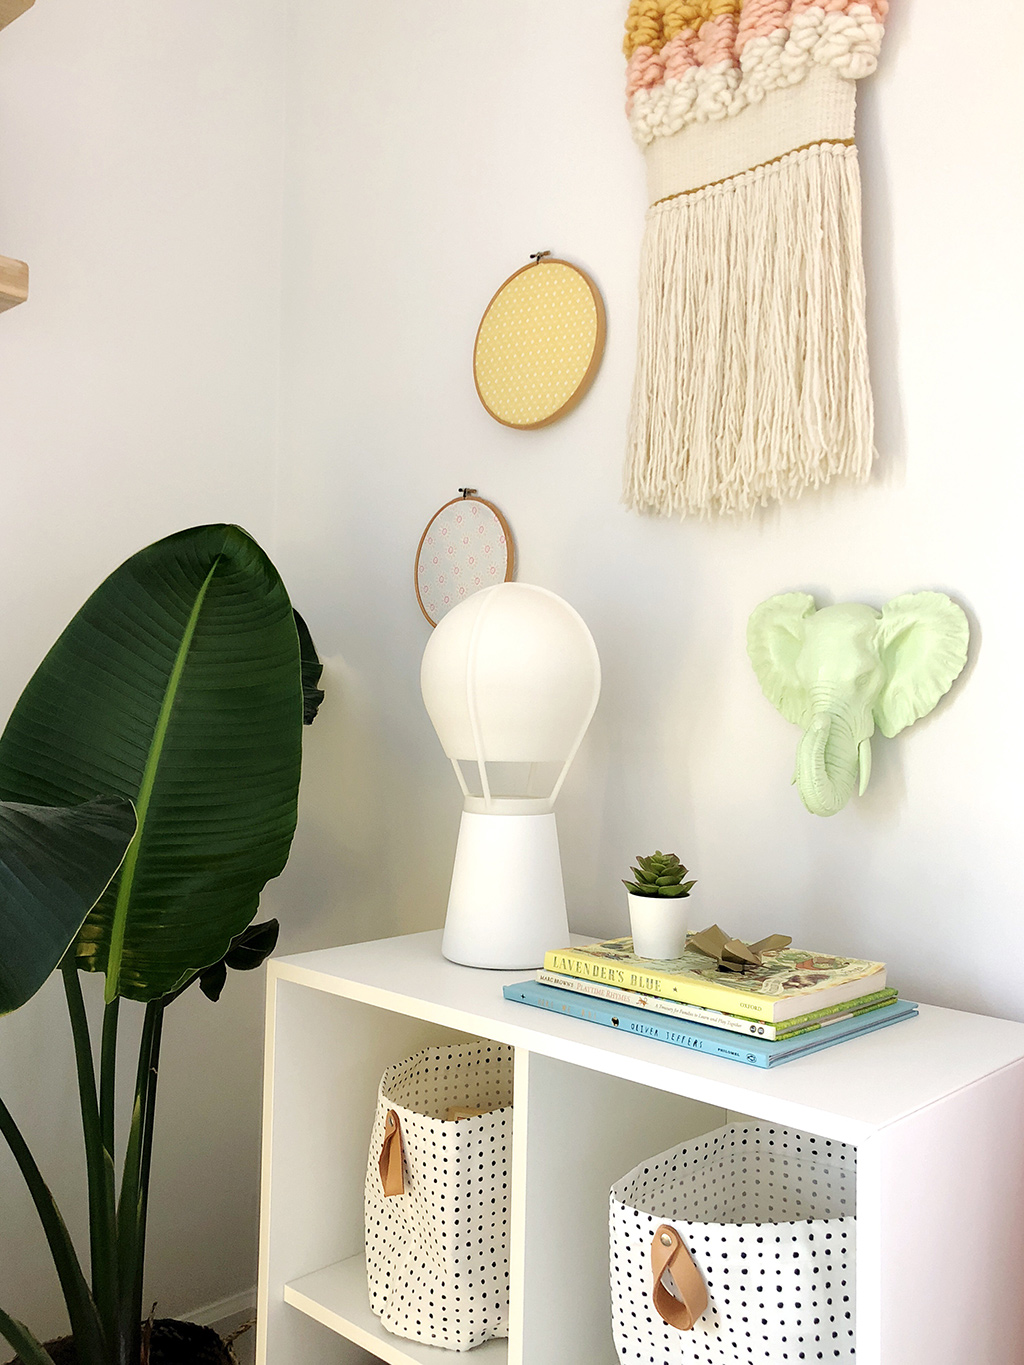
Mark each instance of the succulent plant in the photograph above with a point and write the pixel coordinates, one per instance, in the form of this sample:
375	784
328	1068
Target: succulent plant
659	875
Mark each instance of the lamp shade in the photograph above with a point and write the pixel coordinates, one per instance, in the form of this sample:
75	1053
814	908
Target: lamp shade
510	680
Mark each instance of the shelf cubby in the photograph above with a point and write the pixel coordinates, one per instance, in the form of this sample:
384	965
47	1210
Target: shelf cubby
934	1107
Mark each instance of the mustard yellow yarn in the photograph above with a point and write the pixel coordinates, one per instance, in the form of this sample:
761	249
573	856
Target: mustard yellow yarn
643	26
652	23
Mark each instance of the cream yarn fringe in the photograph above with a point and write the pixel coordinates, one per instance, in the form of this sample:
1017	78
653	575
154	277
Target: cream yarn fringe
752	371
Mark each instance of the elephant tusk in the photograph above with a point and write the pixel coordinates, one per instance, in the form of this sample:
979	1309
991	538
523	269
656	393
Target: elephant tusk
864	757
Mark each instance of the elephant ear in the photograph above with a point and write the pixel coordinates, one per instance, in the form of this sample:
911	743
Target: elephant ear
775	636
922	642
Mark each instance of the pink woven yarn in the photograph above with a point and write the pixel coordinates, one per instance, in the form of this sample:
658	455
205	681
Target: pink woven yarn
724	37
758	18
646	69
730	54
716	41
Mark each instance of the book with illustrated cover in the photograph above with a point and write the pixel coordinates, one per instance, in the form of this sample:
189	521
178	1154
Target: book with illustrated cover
789	983
713	1042
732	1023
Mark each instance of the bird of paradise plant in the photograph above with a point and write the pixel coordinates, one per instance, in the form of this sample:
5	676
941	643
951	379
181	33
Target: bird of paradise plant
148	784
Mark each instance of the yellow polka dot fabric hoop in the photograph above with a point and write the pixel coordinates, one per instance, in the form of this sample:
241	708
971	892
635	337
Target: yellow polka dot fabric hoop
539	344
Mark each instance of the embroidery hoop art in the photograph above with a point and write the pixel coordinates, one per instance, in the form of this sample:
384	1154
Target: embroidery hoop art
425	579
497	337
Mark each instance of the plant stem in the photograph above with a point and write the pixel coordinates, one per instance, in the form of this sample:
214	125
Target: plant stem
147	1150
30	1350
108	1074
133	1205
99	1165
85	1322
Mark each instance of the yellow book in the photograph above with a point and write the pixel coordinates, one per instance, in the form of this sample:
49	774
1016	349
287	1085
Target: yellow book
787	984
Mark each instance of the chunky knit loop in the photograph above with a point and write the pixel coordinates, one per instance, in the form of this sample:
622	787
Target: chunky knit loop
644	26
672	44
653	23
726	66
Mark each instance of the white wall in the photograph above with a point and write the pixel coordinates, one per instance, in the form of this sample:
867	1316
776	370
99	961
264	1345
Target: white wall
140	177
429	149
428	153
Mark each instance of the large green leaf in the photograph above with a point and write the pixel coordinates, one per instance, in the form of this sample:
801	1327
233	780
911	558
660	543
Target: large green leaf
177	685
55	863
30	1350
312	671
248	951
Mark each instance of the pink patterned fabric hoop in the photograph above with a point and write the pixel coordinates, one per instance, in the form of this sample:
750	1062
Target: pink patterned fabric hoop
467	546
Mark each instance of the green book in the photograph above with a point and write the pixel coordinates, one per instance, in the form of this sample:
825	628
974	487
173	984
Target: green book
789	983
732	1023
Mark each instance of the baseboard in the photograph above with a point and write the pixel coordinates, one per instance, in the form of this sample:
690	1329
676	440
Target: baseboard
213	1313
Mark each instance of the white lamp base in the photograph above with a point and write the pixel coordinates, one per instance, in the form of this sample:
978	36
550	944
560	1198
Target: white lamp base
507	904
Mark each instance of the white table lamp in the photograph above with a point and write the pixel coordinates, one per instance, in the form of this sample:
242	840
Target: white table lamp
510	680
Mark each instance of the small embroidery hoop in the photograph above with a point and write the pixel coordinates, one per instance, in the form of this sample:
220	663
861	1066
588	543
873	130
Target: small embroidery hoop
541	259
465	495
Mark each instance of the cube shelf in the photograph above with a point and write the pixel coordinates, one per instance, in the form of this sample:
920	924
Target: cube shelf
934	1107
336	1296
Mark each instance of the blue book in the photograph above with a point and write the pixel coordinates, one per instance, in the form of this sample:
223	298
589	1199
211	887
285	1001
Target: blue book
702	1037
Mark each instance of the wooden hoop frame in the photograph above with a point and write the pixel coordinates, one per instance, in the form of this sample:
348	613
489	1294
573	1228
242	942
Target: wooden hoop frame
595	360
510	546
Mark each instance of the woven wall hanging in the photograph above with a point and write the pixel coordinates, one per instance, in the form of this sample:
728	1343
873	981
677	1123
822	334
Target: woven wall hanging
752	373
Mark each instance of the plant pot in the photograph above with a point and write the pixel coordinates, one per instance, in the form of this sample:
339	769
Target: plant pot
658	925
172	1343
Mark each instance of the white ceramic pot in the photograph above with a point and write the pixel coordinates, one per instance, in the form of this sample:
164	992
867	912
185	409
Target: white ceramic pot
658	925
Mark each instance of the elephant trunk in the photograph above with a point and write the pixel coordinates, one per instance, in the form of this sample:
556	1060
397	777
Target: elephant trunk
827	764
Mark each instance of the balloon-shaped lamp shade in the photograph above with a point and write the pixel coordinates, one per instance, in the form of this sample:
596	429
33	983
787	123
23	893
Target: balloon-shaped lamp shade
510	680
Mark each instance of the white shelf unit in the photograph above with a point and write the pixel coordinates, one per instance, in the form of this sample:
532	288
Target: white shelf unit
934	1107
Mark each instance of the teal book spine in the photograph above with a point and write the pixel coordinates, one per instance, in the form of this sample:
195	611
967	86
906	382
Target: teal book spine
701	1037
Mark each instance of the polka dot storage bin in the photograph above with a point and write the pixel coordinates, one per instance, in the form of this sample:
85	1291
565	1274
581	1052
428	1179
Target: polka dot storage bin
736	1248
437	1251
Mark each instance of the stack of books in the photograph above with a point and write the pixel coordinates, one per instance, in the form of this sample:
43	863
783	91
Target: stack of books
795	1003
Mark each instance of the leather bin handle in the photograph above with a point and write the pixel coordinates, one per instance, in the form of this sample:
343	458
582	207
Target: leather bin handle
669	1253
392	1175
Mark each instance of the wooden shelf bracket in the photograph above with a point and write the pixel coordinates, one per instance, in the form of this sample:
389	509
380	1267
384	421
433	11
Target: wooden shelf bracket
13	281
11	9
13	274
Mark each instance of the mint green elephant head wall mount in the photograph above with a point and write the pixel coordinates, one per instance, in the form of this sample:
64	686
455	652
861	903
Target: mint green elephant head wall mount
841	671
